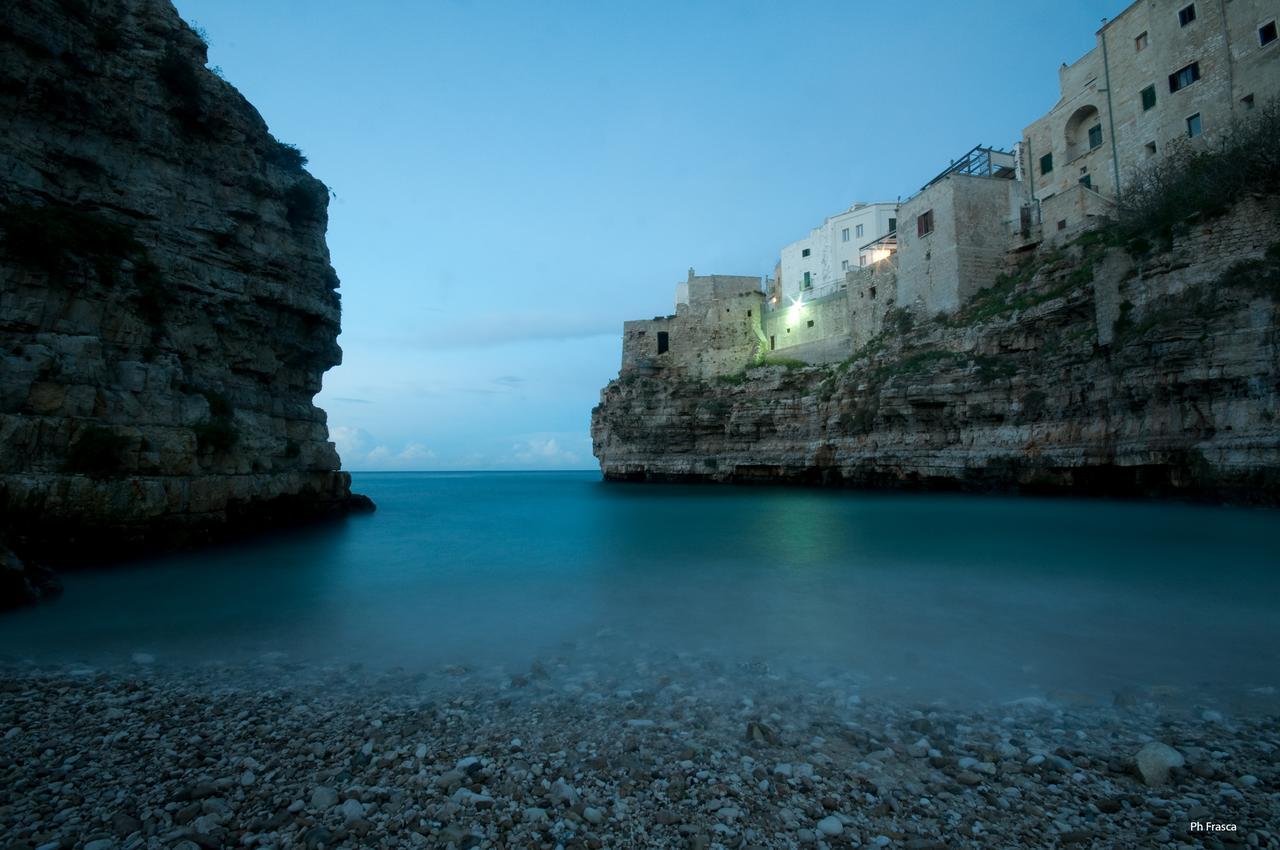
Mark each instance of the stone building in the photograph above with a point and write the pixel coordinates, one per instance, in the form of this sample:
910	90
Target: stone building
1164	73
818	262
714	331
957	231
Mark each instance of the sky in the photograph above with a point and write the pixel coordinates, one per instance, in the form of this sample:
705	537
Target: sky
514	180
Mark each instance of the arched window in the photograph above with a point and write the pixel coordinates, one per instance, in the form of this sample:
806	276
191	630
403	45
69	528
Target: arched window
1084	131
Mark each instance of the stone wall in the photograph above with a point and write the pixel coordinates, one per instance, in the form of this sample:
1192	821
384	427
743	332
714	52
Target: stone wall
716	331
167	306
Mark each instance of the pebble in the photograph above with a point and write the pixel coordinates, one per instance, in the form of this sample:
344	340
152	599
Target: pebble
465	759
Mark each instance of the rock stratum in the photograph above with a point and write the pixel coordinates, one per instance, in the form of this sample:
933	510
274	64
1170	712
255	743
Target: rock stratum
1094	369
167	305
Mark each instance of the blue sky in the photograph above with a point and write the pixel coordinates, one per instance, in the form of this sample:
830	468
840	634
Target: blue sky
513	180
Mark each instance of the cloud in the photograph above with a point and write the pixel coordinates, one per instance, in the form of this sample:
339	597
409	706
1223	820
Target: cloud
360	450
542	452
487	331
351	400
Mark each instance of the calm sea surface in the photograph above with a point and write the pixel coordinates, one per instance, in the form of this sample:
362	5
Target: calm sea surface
948	593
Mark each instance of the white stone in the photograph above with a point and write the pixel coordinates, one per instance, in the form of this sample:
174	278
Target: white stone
1155	760
830	825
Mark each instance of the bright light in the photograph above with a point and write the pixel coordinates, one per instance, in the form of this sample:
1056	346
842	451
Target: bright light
879	254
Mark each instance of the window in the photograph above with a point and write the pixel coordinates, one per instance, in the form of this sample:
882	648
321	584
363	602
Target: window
1266	33
1148	98
872	292
805	252
844	265
1193	125
860	229
748	314
1186	15
1095	136
664	342
1247	100
1151	148
1184	77
1087	181
1062	224
808	281
1046	163
862	259
893	225
773	342
844	235
924	223
810	324
1140	43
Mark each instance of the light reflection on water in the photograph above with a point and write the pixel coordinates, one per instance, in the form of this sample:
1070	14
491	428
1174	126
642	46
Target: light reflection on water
944	593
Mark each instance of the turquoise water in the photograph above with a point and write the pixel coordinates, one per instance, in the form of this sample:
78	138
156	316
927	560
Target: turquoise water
935	592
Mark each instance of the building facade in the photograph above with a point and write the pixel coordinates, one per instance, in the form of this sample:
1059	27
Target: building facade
818	262
957	231
1164	73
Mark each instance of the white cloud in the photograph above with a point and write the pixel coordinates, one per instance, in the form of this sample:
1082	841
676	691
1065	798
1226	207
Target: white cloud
360	450
542	452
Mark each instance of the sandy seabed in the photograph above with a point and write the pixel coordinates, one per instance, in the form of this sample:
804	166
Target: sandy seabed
663	750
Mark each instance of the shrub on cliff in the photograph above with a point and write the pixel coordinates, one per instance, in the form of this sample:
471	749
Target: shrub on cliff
1189	182
286	156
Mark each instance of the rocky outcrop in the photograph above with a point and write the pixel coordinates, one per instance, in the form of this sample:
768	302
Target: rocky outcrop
167	306
1088	370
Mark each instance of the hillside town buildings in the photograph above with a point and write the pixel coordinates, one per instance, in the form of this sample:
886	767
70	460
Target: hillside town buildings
1164	75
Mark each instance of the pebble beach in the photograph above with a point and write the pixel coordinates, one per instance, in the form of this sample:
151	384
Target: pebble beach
665	750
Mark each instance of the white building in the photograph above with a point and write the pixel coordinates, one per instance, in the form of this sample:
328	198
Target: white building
838	245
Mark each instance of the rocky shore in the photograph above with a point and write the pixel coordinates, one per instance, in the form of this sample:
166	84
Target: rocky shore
661	751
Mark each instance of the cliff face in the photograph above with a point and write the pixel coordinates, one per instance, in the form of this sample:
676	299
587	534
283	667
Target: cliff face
167	306
1090	370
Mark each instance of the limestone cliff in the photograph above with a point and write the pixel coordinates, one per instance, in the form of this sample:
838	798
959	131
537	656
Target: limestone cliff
167	306
1092	369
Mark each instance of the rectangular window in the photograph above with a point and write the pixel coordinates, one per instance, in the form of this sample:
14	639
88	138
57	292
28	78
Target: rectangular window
773	342
1140	43
1151	148
1148	98
804	252
844	235
1266	33
844	265
1095	136
1046	163
1193	125
810	323
1186	15
862	259
808	281
663	342
893	225
924	223
872	292
860	230
1184	77
1087	181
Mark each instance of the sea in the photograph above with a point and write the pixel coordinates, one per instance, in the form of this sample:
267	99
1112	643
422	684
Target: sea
938	595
